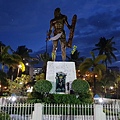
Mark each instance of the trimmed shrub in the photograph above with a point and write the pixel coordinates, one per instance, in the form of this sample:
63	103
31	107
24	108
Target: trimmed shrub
4	116
65	99
86	97
43	86
41	93
80	86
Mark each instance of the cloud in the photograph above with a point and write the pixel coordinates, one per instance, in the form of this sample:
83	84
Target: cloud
101	21
28	21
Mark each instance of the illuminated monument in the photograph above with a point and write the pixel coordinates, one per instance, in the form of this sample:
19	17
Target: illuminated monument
61	74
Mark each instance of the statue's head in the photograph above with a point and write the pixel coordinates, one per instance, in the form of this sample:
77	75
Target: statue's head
57	12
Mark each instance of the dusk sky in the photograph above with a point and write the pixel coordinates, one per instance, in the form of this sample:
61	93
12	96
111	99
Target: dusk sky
25	22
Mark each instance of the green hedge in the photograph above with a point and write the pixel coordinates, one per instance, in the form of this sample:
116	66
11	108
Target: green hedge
61	98
80	86
65	99
43	86
4	116
41	93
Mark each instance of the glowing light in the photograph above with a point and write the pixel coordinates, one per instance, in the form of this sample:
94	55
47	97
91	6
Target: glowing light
21	83
111	87
13	98
83	78
20	66
27	64
5	87
100	100
95	75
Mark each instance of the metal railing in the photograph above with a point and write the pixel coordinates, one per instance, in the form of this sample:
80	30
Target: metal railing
16	111
112	111
24	111
68	112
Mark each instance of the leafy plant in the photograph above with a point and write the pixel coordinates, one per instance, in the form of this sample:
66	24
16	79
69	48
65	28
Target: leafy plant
80	86
43	86
65	99
18	86
4	116
40	76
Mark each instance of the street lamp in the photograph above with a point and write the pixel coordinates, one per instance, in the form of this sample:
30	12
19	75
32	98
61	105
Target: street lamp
26	64
111	87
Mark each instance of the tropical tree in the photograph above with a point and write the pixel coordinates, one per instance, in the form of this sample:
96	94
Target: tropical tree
45	57
19	85
117	82
4	56
40	76
3	81
1	46
75	57
12	61
7	59
105	46
24	52
93	64
107	80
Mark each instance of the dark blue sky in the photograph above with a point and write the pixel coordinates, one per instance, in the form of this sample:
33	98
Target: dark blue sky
25	22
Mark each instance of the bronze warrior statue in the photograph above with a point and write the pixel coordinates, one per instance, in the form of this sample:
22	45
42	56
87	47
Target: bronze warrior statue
57	24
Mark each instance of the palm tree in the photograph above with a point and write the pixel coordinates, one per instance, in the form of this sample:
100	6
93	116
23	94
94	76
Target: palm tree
1	46
4	56
117	82
13	60
107	80
10	60
93	64
24	52
3	80
75	57
105	46
45	57
12	63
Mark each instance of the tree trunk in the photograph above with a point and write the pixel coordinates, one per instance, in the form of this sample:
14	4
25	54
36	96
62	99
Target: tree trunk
105	91
94	85
3	67
106	64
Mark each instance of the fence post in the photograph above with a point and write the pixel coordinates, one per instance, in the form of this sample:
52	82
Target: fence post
98	112
118	112
37	113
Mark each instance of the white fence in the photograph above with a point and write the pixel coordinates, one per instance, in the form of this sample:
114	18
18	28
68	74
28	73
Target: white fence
39	111
112	111
68	112
16	111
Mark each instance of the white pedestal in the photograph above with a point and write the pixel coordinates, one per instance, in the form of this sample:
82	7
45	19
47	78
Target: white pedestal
54	67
